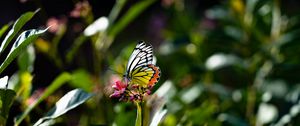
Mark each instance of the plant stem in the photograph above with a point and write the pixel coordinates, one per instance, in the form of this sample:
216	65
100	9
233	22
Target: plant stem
138	121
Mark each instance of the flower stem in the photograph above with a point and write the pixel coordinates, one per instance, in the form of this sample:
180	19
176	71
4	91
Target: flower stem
138	121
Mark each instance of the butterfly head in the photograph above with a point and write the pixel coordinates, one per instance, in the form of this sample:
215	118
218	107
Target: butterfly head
126	78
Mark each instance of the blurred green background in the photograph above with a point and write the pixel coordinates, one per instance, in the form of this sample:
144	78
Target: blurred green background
223	62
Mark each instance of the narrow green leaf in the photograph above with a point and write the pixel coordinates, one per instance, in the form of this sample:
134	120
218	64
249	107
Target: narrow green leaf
69	101
130	15
116	11
16	28
20	44
58	82
3	29
72	51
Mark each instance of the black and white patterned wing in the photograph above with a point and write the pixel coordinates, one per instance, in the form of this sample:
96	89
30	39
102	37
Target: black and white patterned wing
142	55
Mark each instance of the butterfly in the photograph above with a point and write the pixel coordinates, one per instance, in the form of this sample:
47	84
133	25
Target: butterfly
140	68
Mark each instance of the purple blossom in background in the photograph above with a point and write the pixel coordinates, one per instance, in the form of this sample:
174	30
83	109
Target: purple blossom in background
156	25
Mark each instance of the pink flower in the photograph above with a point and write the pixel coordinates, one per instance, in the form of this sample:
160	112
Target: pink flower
23	1
81	9
55	24
129	92
167	3
36	94
134	96
119	89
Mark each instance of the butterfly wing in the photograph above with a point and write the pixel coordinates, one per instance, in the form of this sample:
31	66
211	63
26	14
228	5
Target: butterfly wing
142	55
140	69
147	75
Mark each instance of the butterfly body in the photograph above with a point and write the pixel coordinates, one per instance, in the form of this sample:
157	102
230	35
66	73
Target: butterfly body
140	70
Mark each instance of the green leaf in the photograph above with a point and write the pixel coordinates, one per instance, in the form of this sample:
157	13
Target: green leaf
154	111
158	116
69	101
3	82
58	82
20	44
220	60
81	79
6	99
130	15
116	11
16	28
3	29
26	59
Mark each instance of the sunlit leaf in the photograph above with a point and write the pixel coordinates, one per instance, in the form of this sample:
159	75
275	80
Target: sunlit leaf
293	95
69	101
220	60
98	25
57	83
14	82
20	44
167	90
158	116
288	37
191	94
266	113
155	111
3	82
26	59
3	29
25	84
16	28
278	88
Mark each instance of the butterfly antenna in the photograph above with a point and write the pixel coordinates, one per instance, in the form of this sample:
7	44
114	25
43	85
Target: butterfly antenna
114	71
